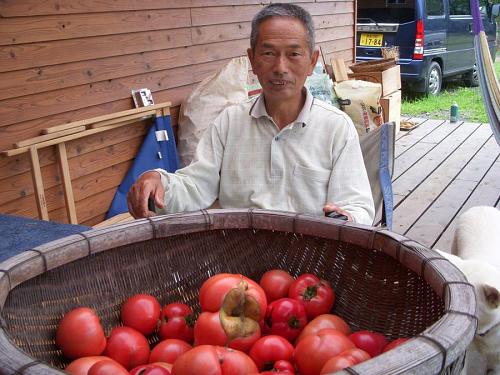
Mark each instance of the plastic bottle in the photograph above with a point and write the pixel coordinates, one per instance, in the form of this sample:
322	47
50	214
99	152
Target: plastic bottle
454	112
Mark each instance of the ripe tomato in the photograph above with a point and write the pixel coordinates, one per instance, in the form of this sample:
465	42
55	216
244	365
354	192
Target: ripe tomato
395	343
169	350
213	291
347	358
176	322
325	321
213	360
149	370
317	295
141	312
208	331
371	342
80	334
82	365
128	347
313	351
269	349
285	317
276	284
107	367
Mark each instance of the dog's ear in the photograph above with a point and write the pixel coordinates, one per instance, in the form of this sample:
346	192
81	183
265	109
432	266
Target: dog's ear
491	295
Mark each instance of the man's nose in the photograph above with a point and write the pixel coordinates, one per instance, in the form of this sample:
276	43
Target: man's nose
280	65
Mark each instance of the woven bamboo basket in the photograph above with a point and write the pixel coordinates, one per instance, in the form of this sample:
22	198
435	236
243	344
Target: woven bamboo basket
373	65
383	282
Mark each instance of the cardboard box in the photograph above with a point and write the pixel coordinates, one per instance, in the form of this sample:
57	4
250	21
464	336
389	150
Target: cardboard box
391	108
389	78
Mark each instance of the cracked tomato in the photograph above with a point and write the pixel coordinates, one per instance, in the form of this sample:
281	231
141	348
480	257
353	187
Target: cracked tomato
317	295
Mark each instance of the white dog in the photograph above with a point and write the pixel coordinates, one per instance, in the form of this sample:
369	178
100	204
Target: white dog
476	252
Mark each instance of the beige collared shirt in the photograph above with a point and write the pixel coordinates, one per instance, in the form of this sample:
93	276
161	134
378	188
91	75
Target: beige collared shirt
246	161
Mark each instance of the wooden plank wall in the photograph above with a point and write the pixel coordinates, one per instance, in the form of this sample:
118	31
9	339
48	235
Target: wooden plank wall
67	60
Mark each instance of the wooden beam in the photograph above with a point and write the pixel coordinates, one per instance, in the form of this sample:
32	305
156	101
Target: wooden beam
36	174
66	181
46	137
129	119
103	118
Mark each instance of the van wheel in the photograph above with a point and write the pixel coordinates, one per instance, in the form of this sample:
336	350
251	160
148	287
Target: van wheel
472	78
434	79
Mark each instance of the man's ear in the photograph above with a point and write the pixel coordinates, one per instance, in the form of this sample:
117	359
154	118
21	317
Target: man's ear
250	56
491	295
314	60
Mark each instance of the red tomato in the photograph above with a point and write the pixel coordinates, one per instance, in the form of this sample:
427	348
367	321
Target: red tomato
82	365
128	347
276	284
176	322
285	317
169	350
213	291
208	331
213	360
313	351
317	295
325	321
165	365
149	370
395	343
141	312
269	349
107	367
371	342
284	367
347	358
80	334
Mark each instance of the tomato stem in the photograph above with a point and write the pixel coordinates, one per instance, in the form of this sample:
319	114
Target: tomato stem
310	292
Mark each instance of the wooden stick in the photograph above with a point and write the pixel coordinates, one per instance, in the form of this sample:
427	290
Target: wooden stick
102	118
46	137
129	118
66	180
52	142
339	70
36	174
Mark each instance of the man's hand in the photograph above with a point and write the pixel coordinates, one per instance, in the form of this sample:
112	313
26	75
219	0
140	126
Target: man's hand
331	207
147	186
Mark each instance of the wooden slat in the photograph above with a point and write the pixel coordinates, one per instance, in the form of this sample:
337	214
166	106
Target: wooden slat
16	8
121	218
483	171
21	30
339	70
66	181
64	51
136	113
431	175
38	184
437	203
336	45
225	14
410	138
46	137
39	105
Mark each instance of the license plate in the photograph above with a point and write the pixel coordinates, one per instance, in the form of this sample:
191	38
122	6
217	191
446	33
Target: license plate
371	40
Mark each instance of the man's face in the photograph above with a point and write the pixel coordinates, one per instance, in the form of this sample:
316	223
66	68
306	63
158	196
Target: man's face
281	59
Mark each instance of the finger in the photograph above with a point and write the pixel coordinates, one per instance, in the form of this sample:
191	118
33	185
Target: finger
159	196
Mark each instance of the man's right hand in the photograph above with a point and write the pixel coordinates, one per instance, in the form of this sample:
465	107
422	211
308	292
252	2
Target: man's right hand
147	186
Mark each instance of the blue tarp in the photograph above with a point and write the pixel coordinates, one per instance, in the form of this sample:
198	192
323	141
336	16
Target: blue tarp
157	151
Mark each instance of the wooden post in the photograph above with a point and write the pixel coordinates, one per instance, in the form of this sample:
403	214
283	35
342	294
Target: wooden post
66	181
36	174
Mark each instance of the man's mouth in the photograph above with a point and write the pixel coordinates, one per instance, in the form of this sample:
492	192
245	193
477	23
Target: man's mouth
277	82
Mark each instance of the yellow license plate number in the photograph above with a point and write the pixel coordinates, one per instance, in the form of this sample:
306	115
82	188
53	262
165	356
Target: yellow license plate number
371	40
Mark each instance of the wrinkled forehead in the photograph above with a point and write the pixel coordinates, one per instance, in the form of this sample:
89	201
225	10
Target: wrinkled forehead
282	30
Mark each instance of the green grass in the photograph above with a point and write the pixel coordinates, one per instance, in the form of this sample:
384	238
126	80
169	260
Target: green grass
469	100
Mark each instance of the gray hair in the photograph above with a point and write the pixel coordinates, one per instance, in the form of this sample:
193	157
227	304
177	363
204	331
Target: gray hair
283	10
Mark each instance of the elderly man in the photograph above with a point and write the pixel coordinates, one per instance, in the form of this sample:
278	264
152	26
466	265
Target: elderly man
284	150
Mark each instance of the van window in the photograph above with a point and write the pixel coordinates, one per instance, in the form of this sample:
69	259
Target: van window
459	7
434	7
386	11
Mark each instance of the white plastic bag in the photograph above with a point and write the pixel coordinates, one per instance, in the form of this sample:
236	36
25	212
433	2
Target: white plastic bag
216	92
361	101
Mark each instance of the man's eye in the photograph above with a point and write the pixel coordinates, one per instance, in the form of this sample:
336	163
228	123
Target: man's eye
268	53
295	54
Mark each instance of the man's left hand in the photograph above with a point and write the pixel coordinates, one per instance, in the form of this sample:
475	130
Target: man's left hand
331	207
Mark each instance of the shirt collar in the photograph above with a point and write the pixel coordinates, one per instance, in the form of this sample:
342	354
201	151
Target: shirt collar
258	108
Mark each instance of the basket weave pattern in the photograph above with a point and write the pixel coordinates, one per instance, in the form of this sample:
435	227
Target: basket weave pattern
170	257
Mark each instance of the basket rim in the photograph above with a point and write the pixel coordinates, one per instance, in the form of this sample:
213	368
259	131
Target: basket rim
431	266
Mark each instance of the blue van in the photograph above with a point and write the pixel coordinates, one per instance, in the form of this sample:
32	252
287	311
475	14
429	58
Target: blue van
435	38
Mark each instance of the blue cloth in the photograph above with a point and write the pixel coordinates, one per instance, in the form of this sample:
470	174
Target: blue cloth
153	154
19	233
385	177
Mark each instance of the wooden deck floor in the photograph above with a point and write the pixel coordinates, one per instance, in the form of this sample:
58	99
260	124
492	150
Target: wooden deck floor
441	169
